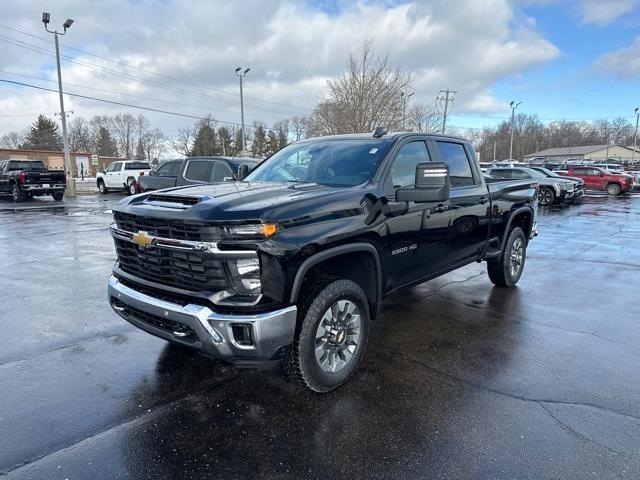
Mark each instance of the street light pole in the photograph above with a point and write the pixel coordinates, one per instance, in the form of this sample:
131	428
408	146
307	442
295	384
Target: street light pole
71	183
635	136
405	99
513	106
241	74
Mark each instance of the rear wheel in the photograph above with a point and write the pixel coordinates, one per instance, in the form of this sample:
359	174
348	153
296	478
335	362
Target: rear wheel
16	194
506	271
58	196
331	336
131	188
546	196
613	189
102	188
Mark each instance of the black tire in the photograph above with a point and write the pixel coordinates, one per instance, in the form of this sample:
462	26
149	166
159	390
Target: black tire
16	194
301	364
613	189
546	196
502	271
58	196
102	188
131	187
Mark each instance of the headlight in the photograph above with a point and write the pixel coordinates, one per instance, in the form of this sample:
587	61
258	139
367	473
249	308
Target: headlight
566	185
259	230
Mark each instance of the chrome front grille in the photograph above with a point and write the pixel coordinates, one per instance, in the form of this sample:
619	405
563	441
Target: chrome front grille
172	229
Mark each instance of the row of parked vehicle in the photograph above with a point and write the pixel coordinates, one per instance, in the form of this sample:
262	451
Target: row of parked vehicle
568	184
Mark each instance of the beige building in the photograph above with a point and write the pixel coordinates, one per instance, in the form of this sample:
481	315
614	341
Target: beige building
591	153
54	160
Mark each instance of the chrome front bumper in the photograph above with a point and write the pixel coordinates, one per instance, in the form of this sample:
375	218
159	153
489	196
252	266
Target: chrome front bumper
199	327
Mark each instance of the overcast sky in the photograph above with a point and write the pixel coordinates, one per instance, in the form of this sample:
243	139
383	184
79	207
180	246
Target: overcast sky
576	60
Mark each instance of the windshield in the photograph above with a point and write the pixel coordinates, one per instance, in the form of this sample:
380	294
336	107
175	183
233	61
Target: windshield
27	166
547	172
326	162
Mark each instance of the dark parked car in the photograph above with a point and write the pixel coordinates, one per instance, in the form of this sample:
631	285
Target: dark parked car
195	171
24	179
293	262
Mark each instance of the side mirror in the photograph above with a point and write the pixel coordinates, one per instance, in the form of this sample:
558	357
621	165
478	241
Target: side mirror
432	184
600	174
102	171
152	173
243	171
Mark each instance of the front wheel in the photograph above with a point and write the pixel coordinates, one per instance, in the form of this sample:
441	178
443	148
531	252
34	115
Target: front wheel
331	336
546	196
102	188
613	189
506	271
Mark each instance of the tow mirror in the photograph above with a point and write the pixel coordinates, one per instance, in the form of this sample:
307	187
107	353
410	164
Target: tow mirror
243	171
432	184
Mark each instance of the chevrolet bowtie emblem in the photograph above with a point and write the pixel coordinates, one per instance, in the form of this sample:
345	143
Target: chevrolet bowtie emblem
142	239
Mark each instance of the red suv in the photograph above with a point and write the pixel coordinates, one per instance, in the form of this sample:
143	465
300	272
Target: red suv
596	178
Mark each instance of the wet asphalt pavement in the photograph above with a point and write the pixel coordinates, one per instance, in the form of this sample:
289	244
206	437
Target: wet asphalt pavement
461	379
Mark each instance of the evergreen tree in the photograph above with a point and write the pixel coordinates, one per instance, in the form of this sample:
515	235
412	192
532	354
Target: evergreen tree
259	143
272	143
140	154
105	144
43	135
237	142
205	139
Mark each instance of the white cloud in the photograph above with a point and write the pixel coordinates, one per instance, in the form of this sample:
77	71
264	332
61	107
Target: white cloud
622	63
604	12
291	48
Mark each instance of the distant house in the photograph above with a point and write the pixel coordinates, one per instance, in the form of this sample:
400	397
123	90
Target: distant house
592	153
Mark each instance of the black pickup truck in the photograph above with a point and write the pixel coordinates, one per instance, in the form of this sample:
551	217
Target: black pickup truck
292	263
196	171
24	179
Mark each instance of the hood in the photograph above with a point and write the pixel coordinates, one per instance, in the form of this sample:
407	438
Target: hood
245	201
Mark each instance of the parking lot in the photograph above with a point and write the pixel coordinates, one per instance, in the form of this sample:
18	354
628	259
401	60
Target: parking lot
461	379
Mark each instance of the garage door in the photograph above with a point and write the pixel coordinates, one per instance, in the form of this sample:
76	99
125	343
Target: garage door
55	162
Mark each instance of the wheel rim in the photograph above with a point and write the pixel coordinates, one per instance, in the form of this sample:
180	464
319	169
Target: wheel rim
613	190
338	336
545	197
516	257
132	189
14	193
101	187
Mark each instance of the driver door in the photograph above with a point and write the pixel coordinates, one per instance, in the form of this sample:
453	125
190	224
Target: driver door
417	241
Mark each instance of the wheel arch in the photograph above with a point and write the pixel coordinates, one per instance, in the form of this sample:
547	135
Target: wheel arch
346	261
521	217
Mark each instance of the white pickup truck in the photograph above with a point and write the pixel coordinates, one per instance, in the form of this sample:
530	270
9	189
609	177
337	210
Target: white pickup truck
122	176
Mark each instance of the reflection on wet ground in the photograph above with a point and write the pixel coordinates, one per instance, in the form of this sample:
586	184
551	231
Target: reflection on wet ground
461	379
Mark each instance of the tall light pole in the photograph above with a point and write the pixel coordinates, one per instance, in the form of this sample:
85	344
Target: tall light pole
71	183
241	74
405	99
513	106
635	136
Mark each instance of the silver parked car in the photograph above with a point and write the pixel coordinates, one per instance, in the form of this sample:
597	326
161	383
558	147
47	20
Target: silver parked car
578	181
551	190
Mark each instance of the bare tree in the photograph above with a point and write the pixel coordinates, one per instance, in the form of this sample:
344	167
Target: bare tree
13	140
424	119
299	126
80	135
366	96
154	143
183	141
124	127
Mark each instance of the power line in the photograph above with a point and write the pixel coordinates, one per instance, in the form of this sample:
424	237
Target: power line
185	115
120	63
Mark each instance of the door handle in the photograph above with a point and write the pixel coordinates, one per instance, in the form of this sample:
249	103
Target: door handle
483	200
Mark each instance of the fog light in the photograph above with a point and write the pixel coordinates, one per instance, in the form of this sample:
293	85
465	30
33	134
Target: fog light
244	275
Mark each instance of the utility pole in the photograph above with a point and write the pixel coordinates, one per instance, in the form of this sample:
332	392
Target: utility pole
513	106
241	74
446	96
494	150
71	182
635	136
405	99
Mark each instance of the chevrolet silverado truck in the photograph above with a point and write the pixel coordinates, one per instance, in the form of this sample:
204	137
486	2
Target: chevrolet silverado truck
122	175
196	170
24	179
292	263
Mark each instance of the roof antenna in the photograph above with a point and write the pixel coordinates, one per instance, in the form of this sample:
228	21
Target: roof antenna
379	132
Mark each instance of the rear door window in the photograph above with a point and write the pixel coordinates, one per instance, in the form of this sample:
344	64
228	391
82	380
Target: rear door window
454	155
199	170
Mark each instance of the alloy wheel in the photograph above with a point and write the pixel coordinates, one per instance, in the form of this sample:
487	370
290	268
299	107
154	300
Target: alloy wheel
338	336
516	257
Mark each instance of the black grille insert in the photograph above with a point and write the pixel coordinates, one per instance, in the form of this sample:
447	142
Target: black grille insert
165	228
185	331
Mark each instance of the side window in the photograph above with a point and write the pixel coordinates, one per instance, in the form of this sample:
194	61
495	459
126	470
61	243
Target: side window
220	172
455	156
164	170
114	167
520	175
403	169
500	173
175	168
199	170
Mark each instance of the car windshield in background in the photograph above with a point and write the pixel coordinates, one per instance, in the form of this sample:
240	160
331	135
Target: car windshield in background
27	166
326	162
